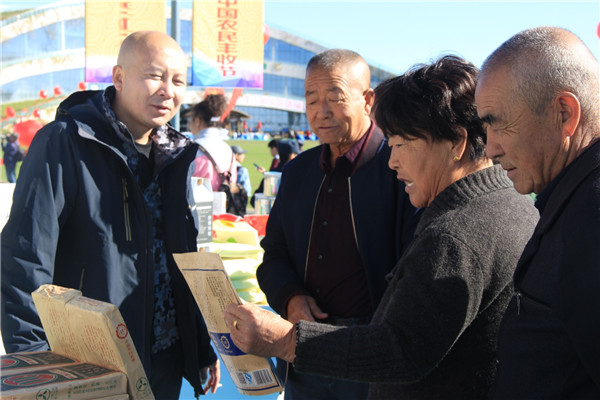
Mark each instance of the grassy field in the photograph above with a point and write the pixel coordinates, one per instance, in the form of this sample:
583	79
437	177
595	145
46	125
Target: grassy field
258	152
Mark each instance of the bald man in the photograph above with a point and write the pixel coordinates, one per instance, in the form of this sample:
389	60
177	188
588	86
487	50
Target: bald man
101	205
538	94
341	219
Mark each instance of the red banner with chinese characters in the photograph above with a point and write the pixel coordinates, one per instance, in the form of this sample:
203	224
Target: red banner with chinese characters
107	23
228	43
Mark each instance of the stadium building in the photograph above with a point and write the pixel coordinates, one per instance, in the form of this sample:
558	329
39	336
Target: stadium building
43	59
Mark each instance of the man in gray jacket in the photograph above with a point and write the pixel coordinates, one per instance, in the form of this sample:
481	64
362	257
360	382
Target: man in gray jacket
102	202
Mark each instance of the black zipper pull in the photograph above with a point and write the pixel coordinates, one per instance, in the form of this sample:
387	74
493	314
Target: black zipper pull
518	295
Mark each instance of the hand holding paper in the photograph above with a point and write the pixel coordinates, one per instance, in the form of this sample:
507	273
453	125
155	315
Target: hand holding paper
261	332
213	291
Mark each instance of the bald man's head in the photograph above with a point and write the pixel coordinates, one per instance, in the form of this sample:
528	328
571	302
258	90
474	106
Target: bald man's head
348	60
150	79
147	42
544	61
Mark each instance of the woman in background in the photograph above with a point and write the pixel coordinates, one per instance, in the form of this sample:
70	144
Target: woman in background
207	128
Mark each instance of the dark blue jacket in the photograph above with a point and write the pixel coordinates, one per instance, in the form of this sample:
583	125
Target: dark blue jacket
79	220
549	339
384	222
11	153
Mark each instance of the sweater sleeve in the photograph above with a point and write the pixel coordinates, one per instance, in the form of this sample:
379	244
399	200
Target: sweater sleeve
433	295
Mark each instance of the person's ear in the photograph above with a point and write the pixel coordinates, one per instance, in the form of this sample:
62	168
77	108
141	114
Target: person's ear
117	77
460	146
369	96
569	113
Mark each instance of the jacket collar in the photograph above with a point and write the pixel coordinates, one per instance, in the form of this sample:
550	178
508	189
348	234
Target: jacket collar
361	153
562	191
93	114
565	184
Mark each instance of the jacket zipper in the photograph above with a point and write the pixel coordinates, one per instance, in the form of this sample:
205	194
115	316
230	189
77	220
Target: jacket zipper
311	228
81	279
313	222
518	295
352	214
126	211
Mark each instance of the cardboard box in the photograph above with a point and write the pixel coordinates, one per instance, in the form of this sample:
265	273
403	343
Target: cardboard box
213	291
27	362
92	331
77	381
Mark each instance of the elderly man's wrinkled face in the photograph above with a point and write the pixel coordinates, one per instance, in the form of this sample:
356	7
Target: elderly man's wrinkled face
336	105
528	146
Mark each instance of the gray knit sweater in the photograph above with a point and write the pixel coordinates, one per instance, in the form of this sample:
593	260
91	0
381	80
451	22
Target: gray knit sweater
434	334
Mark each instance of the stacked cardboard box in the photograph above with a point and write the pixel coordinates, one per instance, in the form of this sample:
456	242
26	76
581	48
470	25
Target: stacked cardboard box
73	380
33	361
91	331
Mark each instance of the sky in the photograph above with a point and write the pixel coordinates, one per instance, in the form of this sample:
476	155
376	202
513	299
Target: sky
394	35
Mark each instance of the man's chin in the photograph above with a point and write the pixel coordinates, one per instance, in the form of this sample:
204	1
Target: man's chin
160	121
522	188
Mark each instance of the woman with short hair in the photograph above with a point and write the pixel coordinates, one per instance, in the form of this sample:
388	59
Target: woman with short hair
433	334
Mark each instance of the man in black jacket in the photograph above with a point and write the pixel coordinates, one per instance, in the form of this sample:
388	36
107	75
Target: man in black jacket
101	205
539	93
341	219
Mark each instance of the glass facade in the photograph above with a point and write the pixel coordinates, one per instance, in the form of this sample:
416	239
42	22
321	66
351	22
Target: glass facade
279	51
275	120
30	87
41	42
64	41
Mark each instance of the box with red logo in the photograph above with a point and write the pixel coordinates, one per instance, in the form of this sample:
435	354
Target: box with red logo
90	331
76	381
33	361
